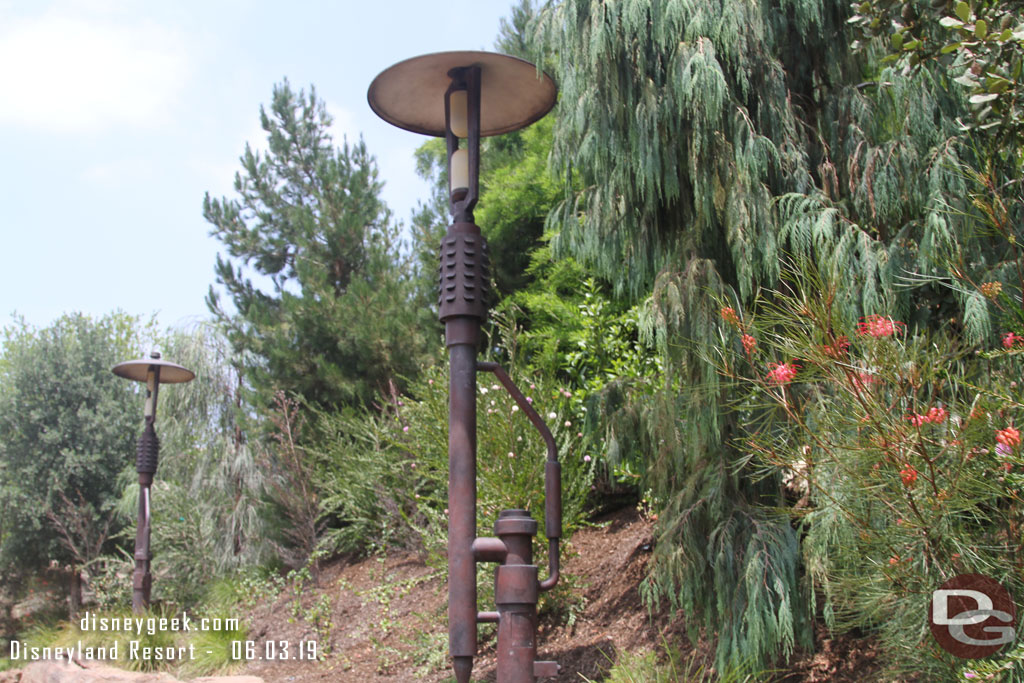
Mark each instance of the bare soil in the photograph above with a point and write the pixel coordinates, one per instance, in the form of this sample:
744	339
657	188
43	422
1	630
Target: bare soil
388	621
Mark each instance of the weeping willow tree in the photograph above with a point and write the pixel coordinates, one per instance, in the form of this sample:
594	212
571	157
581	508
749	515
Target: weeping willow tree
716	140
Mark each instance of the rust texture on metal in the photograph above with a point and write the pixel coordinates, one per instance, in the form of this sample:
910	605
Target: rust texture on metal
515	593
463	275
552	473
464	281
517	587
465	78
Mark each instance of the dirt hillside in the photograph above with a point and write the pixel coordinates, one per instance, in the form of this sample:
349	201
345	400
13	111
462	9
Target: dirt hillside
387	620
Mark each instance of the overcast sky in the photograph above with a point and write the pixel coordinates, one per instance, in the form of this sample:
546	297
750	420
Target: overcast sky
116	116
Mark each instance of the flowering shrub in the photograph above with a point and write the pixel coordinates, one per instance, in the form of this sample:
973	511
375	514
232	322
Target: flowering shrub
781	373
899	457
880	326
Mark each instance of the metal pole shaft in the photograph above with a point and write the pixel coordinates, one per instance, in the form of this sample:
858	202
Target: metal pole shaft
145	464
142	580
462	631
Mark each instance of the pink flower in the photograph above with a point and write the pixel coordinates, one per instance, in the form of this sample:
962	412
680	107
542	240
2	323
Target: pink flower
749	344
909	475
1010	340
917	420
935	415
586	458
879	326
781	373
838	348
405	428
863	380
1009	437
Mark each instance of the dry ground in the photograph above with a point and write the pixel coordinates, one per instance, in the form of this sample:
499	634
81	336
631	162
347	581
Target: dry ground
388	620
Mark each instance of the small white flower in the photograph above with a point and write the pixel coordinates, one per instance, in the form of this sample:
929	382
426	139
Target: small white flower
483	390
552	416
515	408
568	424
511	454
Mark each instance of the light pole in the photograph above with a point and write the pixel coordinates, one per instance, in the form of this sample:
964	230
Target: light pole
463	96
152	371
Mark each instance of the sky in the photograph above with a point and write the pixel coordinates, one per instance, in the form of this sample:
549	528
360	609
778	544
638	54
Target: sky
117	116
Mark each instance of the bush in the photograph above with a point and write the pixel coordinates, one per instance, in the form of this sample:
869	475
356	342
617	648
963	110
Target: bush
386	475
899	453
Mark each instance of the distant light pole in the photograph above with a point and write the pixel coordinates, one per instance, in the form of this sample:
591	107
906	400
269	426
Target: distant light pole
152	372
466	95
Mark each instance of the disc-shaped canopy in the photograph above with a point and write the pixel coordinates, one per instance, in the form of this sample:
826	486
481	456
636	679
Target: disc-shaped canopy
138	370
513	94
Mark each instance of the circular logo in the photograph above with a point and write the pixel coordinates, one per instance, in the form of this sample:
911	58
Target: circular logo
972	616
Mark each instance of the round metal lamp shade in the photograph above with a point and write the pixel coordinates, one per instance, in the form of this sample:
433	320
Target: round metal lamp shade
138	370
410	94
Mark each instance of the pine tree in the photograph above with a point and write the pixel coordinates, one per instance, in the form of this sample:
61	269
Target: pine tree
328	317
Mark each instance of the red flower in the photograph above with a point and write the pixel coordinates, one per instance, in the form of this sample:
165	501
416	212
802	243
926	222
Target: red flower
935	414
838	348
729	315
880	326
909	475
749	344
1009	437
1010	340
781	373
863	380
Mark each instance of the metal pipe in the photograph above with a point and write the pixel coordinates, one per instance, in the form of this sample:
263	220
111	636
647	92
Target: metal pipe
462	631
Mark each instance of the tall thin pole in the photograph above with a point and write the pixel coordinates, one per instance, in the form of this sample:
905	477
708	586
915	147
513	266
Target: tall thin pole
146	457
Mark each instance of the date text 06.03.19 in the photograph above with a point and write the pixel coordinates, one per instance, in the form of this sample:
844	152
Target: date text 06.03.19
276	650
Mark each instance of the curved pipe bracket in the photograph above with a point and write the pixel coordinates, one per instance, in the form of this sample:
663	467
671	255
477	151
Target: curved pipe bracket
552	471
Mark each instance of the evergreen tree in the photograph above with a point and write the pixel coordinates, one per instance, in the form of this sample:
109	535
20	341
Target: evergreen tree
714	140
329	317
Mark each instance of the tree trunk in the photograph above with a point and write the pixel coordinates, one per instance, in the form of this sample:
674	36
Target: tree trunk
75	593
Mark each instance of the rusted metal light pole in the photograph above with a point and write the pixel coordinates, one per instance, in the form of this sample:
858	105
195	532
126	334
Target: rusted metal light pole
152	371
466	95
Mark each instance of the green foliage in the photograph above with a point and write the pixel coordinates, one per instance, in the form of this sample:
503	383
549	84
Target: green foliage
390	477
309	222
980	45
889	443
706	143
671	667
386	475
67	428
208	495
